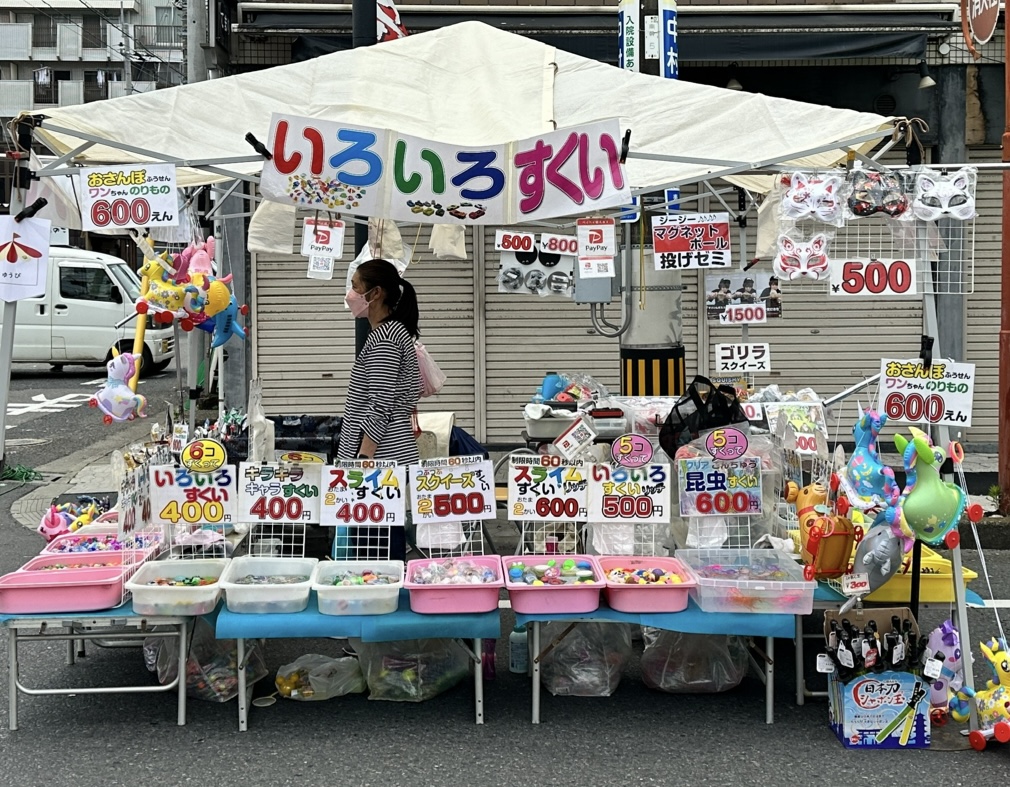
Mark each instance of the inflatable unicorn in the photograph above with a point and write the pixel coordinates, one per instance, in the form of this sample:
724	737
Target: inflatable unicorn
116	399
929	506
866	481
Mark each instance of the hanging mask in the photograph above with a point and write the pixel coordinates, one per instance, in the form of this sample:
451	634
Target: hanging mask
813	197
802	259
939	195
877	192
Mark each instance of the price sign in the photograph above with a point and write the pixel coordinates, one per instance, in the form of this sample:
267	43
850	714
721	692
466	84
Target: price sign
753	411
742	358
750	314
910	393
180	436
711	487
364	492
452	489
631	450
323	238
856	584
806	419
203	456
129	195
134	501
686	241
179	496
864	276
546	489
565	245
629	495
507	240
278	492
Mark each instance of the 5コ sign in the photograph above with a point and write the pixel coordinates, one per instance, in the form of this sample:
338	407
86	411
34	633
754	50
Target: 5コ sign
122	195
365	492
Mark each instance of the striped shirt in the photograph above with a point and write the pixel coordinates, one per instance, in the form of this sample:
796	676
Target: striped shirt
382	395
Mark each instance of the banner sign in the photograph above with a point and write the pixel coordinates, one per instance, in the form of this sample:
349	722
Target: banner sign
547	489
710	487
325	165
686	241
277	492
668	47
628	35
629	495
742	358
806	419
129	195
364	492
912	394
452	489
24	258
179	496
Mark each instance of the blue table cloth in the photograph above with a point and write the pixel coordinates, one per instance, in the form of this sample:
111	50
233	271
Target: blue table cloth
123	611
399	625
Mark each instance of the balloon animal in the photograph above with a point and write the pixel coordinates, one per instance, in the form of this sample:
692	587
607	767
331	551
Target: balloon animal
930	506
992	702
866	481
944	643
116	399
226	324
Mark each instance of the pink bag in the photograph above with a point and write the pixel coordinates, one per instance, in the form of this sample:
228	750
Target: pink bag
432	378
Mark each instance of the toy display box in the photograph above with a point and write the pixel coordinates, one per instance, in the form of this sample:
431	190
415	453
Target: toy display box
886	710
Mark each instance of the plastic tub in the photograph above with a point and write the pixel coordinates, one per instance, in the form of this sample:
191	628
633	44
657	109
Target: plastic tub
268	598
645	414
166	600
647	598
38	592
546	428
455	599
62	544
87	561
553	599
722	587
357	599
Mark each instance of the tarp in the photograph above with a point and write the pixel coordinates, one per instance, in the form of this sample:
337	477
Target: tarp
468	84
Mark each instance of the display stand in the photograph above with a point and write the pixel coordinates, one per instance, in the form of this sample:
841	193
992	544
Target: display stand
95	626
691	621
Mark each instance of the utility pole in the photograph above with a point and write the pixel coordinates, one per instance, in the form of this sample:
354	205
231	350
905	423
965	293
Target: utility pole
363	33
127	51
197	37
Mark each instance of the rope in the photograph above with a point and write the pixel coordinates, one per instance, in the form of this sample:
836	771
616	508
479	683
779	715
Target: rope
20	473
988	582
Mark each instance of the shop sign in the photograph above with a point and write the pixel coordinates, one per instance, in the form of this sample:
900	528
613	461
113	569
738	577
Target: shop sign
689	241
547	489
273	492
364	492
864	276
911	394
628	35
179	496
742	358
325	165
24	258
452	489
624	495
129	195
669	48
323	238
982	16
597	244
712	487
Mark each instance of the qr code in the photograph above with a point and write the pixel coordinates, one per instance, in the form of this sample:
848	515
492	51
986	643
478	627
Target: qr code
603	267
321	264
580	434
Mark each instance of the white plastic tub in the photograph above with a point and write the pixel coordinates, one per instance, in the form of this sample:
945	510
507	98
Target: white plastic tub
166	600
357	599
268	598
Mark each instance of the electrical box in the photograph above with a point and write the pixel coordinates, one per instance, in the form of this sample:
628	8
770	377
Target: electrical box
598	290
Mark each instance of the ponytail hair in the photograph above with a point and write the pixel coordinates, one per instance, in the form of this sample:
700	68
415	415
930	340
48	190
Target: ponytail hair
400	296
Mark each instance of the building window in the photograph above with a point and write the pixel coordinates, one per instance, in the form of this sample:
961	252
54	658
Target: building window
44	28
47	85
93	32
167	24
96	85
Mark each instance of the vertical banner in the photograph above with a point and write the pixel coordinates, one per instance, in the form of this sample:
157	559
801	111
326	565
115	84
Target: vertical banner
669	68
627	35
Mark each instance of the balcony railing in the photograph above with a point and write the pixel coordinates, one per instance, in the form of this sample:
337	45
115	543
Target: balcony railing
15	96
158	36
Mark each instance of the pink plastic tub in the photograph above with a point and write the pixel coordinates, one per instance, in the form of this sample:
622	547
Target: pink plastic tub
86	560
648	598
64	544
455	599
83	590
553	599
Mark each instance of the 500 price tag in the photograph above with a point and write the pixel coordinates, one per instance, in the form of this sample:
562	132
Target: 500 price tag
452	489
864	276
506	240
366	492
181	497
546	489
629	495
743	315
273	492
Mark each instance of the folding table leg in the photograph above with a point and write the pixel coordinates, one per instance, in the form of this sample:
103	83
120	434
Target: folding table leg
478	680
12	678
183	652
536	672
801	678
770	680
243	699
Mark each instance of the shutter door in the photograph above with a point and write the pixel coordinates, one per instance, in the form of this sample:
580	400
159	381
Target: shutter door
983	308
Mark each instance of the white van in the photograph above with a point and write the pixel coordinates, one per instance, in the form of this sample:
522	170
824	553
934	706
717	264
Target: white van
75	321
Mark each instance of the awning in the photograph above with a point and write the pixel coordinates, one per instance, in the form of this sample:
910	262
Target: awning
70	5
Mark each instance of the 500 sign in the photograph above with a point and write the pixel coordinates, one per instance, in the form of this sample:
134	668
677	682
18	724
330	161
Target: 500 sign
873	277
454	489
629	495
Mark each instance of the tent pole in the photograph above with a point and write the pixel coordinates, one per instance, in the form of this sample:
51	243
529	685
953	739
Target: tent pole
363	33
10	308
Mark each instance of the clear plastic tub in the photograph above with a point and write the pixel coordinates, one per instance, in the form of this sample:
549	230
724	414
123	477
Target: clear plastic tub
748	580
647	598
167	600
268	598
455	599
357	599
553	599
546	428
39	592
645	414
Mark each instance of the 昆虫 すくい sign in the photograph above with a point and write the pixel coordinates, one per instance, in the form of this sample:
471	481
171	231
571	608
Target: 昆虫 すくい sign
332	166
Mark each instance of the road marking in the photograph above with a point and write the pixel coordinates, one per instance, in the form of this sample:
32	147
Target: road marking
23	441
102	381
40	404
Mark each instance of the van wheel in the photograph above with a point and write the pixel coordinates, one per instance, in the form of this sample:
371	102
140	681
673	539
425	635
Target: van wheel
156	368
56	367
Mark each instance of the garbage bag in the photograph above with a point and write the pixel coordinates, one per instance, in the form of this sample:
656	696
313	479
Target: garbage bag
588	661
411	670
692	663
314	677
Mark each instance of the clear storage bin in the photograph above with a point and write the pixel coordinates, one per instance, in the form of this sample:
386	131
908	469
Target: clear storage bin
268	597
357	599
748	580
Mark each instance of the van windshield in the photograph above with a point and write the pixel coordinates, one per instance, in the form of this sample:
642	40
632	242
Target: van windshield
127	280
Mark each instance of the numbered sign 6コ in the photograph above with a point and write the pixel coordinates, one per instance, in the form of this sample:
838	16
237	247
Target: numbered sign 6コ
181	497
366	492
273	492
546	489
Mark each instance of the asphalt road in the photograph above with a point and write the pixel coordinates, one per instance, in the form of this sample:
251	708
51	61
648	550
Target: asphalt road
637	736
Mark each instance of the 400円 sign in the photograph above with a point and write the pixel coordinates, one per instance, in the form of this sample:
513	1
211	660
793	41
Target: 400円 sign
182	497
364	492
911	394
277	492
547	489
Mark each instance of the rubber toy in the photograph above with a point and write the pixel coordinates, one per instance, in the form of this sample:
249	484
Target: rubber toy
85	517
945	645
867	482
938	195
930	506
226	324
826	536
54	523
878	555
992	702
115	399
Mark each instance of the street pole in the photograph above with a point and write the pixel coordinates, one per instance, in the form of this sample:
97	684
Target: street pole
127	51
1004	329
363	33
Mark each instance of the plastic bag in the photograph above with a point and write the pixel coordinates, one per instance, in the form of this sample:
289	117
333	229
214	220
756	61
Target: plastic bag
314	677
692	663
211	669
588	662
411	670
432	378
704	407
448	242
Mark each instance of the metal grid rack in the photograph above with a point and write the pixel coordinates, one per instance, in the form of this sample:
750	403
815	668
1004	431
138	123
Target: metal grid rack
450	539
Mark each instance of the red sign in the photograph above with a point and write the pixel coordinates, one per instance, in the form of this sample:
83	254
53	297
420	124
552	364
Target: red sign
982	16
684	241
